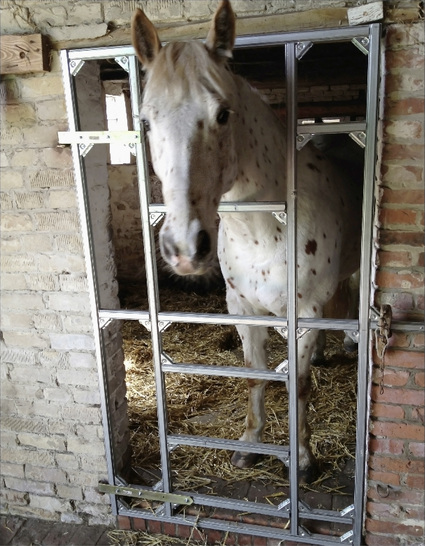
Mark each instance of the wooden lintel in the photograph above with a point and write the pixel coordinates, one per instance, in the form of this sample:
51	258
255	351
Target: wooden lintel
22	54
288	22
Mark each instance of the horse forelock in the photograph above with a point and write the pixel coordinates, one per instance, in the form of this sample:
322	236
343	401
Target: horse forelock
185	70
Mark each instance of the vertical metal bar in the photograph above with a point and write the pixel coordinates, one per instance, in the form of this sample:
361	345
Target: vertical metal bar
365	281
81	186
292	310
151	279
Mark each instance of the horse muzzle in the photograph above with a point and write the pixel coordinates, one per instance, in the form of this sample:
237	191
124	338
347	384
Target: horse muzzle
183	262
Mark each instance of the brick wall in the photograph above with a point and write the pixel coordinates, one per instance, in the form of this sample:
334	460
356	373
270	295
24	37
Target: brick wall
52	450
395	505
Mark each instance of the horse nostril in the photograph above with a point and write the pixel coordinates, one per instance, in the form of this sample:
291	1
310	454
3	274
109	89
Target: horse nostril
203	244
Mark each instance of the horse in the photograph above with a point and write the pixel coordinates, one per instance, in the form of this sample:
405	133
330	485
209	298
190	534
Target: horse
212	138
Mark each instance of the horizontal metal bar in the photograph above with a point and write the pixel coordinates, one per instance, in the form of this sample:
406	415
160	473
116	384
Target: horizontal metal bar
261	320
99	137
137	492
324	35
330	128
230	526
266	509
230	445
224	371
224	319
256	206
250	507
87	54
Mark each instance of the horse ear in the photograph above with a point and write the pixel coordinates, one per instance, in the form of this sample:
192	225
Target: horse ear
145	38
221	37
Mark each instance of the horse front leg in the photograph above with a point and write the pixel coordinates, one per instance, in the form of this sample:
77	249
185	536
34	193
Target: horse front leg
253	340
307	462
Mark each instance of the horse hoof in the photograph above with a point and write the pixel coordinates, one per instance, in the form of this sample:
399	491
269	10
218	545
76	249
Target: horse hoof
244	460
319	361
309	475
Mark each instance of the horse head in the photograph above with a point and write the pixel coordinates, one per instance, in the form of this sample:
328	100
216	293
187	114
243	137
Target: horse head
188	104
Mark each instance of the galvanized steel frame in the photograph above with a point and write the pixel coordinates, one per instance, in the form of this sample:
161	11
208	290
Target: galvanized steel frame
367	38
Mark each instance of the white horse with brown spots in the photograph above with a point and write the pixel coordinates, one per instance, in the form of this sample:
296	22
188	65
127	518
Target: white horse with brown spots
213	138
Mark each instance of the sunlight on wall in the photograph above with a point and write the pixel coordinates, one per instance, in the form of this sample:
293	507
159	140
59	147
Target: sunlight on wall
116	115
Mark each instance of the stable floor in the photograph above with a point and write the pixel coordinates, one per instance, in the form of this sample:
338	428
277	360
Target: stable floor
31	532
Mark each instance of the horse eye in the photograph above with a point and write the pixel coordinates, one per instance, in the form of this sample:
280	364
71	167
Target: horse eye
146	125
223	116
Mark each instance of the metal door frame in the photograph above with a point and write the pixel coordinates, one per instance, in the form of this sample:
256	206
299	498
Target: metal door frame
367	39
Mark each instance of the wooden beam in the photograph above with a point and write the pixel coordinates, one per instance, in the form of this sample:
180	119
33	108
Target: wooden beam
21	54
294	21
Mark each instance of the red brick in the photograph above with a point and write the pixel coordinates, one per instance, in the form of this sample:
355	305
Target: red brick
404	107
123	523
394	378
403	176
404	495
403	196
395	464
246	540
402	130
415	481
386	445
411	397
418	341
379	509
418	414
420	379
408	58
421	259
387	411
403	83
400	279
386	526
382	540
400	152
230	539
399	340
417	449
154	526
388	478
195	534
405	359
394	258
402	303
398	430
212	536
169	529
408	238
139	524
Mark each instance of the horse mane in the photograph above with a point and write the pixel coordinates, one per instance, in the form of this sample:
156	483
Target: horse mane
184	68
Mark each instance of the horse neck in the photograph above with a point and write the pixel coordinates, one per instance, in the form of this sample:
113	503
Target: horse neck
260	147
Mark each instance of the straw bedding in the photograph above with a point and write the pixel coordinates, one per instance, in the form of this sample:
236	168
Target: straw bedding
216	407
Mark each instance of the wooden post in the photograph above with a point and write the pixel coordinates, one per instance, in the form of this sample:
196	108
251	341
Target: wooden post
21	54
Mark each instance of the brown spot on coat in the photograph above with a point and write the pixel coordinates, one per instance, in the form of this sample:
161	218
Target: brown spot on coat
313	167
311	247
